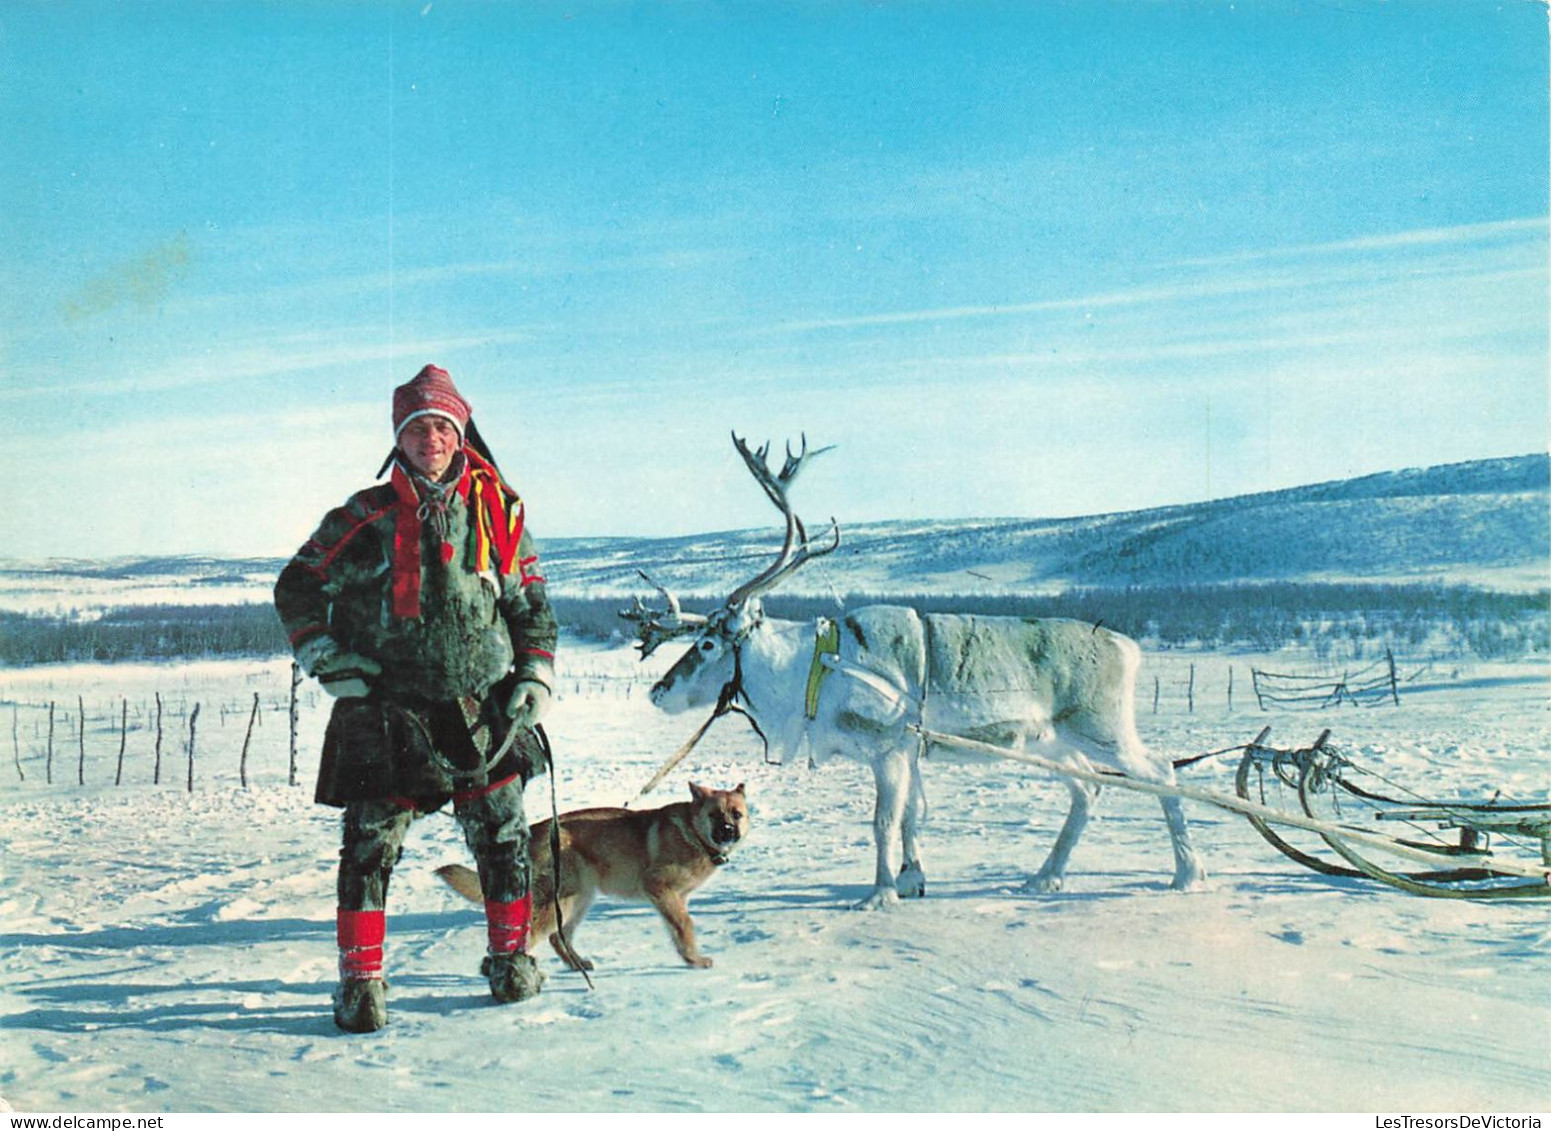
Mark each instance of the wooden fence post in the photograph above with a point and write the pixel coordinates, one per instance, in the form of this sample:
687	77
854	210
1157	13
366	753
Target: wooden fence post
243	762
1155	688
296	679
123	740
1230	688
192	720
1190	691
1394	680
157	778
48	763
16	742
80	735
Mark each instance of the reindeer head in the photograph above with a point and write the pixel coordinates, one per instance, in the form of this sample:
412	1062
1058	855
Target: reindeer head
711	663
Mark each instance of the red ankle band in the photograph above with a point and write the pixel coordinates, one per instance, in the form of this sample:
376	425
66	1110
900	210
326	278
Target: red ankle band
508	923
360	935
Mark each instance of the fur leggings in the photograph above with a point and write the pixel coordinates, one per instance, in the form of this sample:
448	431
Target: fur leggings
493	825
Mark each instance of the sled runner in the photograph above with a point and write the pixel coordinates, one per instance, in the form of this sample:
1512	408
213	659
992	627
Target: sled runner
1332	796
1340	794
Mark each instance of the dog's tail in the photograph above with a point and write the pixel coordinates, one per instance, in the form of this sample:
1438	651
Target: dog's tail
464	881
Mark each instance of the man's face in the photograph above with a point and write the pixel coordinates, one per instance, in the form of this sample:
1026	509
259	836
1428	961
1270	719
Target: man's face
430	442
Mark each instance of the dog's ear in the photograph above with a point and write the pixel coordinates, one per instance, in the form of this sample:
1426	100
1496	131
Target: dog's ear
698	792
738	788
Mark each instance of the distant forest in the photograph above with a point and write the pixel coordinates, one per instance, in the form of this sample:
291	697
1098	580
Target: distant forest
1346	620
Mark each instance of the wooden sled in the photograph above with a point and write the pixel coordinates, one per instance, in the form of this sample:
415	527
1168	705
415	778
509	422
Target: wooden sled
1325	787
1335	792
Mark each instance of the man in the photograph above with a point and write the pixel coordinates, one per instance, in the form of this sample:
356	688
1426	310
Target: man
418	606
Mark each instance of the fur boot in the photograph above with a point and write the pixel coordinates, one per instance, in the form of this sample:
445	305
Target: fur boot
513	974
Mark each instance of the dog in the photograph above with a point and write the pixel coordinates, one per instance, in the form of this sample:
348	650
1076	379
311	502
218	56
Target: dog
656	855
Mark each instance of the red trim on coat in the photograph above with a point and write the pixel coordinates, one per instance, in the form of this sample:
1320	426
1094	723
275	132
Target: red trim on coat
529	578
333	553
406	547
472	794
481	790
503	510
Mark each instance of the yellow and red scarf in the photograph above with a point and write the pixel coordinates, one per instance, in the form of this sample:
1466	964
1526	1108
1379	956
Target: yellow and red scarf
495	519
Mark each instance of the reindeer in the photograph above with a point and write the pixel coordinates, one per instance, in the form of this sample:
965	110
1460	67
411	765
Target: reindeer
1063	686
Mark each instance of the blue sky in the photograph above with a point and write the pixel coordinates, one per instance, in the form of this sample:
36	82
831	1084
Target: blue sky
1010	258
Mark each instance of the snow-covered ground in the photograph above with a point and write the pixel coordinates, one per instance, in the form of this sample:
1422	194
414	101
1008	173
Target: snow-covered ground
172	951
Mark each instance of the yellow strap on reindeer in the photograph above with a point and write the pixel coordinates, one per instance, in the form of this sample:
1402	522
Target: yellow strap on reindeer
826	639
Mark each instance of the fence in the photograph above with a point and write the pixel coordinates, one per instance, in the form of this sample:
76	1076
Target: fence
176	726
184	733
1366	687
1193	689
171	727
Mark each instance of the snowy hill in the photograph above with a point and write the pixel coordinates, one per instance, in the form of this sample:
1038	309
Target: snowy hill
1486	522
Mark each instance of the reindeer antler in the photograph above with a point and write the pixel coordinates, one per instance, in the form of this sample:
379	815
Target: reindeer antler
796	549
655	626
776	486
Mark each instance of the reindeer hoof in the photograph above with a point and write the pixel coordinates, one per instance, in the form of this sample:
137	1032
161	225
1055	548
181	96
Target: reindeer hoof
911	883
1043	885
878	900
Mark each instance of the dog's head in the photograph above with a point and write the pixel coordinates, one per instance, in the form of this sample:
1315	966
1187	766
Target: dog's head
720	815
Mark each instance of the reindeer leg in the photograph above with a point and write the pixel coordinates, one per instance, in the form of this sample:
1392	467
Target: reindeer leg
891	775
912	877
1189	873
1135	759
1052	873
